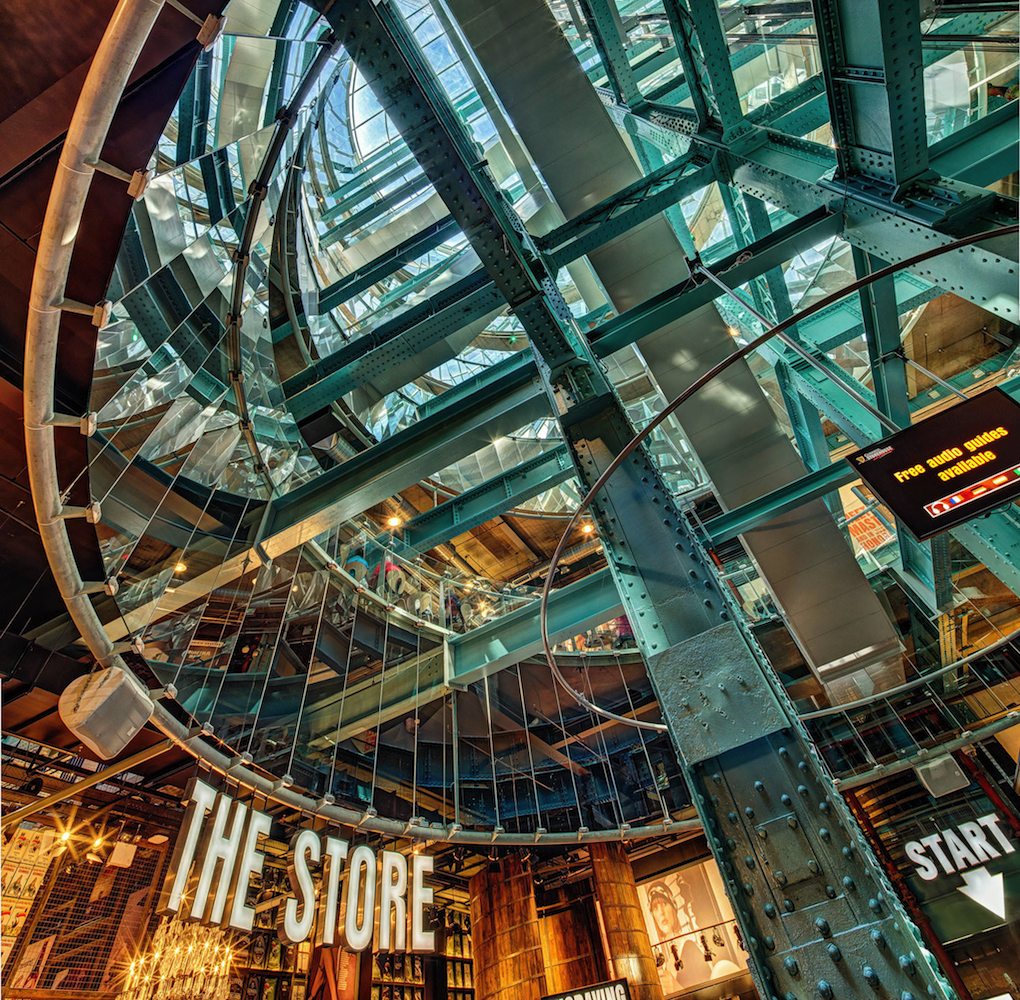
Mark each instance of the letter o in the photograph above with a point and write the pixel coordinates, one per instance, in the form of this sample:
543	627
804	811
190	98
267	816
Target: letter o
360	866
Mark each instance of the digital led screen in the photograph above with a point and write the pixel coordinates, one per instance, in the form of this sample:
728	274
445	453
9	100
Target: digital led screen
949	468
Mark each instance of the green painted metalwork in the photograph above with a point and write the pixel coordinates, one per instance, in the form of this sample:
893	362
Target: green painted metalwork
400	338
758	512
474	507
410	249
515	636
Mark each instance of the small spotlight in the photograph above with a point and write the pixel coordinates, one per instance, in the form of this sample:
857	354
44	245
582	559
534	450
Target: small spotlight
587	529
393	522
99	842
180	567
65	836
733	331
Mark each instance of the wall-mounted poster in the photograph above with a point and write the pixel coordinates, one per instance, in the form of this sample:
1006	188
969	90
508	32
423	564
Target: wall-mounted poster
691	926
29	972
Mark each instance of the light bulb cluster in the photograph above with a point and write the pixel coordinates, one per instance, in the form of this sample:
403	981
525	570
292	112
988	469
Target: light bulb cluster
185	961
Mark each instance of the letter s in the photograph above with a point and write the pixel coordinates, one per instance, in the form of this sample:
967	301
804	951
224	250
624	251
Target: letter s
925	868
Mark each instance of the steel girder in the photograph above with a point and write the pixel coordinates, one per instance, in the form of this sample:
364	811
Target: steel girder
451	425
983	152
791	174
603	20
758	512
515	636
412	331
447	435
633	205
871	59
474	507
383	266
474	296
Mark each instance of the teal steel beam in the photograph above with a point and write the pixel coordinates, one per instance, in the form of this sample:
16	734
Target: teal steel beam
844	321
434	440
881	319
398	339
603	21
385	264
872	62
515	636
714	50
995	541
474	507
452	432
807	424
752	515
983	152
628	209
365	187
671	304
791	174
415	186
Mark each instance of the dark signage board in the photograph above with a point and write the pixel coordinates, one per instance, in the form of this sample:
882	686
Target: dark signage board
949	468
616	990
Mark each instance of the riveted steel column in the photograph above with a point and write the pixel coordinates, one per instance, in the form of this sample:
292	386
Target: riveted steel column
872	62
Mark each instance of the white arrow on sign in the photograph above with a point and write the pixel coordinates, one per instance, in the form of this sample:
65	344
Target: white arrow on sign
986	890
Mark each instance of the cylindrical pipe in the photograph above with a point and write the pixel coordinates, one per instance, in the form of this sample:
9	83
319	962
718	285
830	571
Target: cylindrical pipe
108	75
630	949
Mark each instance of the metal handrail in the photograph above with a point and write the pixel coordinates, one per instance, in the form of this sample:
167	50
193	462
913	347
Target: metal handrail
852	706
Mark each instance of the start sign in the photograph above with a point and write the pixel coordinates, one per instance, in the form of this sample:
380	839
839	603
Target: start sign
949	468
963	849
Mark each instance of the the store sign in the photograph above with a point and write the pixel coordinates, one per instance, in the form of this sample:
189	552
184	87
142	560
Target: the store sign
616	990
949	468
217	854
964	849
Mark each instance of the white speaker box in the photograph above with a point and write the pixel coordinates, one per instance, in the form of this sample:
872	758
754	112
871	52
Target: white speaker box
942	776
105	709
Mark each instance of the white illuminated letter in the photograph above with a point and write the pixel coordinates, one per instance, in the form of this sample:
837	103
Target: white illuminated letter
242	916
962	857
932	843
925	868
199	798
289	928
983	851
991	822
219	852
421	894
360	896
335	851
392	905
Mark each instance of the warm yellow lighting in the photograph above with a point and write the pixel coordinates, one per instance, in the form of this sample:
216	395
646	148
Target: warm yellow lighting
180	567
65	836
393	522
99	842
587	529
